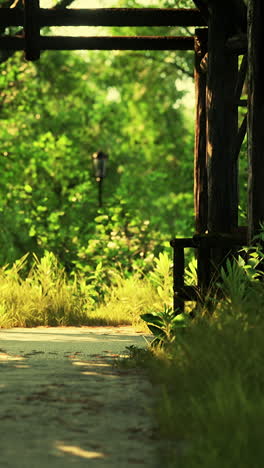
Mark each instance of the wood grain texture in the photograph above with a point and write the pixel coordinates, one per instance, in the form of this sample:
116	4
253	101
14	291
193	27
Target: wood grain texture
255	115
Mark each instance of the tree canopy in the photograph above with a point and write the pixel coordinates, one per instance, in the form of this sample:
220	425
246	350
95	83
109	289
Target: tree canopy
55	113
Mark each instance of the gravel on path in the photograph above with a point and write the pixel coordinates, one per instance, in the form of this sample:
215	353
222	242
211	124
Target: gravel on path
64	404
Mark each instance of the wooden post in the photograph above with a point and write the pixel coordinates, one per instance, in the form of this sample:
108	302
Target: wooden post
32	29
222	125
178	279
255	115
200	164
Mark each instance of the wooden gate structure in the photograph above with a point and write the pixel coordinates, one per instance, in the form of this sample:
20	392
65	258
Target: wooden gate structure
225	30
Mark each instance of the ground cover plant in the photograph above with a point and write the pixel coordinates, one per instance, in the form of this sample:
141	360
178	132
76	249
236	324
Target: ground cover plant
209	378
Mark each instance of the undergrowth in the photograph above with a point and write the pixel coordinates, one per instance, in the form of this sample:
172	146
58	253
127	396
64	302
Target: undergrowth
36	291
209	379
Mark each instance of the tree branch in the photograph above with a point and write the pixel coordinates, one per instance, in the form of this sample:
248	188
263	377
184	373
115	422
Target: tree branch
155	59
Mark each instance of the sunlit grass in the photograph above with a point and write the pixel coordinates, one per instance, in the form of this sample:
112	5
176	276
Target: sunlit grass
44	295
209	382
211	398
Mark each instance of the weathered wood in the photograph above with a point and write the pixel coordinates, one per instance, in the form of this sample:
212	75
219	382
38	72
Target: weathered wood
227	241
255	115
31	29
222	128
200	165
200	158
202	5
108	17
102	43
182	242
222	123
237	44
234	8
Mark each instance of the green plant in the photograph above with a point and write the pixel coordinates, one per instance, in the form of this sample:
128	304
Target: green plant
164	325
161	277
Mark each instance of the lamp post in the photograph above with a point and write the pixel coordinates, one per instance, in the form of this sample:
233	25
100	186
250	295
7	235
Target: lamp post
99	163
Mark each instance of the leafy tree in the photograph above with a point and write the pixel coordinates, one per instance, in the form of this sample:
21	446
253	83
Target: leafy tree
55	113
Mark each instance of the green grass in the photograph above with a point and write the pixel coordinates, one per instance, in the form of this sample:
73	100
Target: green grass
209	395
209	381
43	295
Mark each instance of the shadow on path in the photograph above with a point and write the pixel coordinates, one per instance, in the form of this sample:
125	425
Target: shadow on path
63	403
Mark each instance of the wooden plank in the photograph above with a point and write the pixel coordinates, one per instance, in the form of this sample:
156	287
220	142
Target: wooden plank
12	42
255	115
117	43
122	17
227	241
203	8
108	17
200	165
102	43
182	242
31	29
222	123
11	17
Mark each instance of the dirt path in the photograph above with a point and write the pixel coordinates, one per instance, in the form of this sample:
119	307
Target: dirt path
63	404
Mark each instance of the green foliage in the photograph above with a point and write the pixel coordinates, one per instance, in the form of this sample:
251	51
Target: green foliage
55	114
209	379
37	291
161	277
44	296
164	325
210	394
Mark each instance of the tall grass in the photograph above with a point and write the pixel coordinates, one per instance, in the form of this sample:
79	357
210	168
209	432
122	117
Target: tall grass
210	380
43	295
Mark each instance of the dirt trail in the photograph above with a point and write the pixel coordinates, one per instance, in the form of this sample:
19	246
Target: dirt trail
63	404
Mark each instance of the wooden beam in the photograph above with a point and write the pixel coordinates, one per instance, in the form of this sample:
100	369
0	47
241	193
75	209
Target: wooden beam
222	122
31	29
202	5
222	128
255	115
102	43
234	8
200	165
107	17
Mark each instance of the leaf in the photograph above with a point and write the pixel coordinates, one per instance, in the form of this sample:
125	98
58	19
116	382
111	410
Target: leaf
157	332
151	318
32	231
27	188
